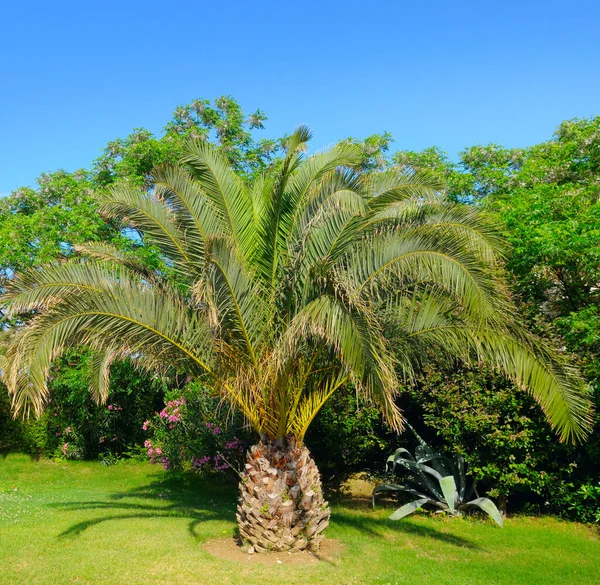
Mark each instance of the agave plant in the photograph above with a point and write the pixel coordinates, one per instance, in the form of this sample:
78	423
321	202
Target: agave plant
434	480
277	291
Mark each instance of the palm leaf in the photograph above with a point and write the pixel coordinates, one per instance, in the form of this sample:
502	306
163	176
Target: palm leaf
280	289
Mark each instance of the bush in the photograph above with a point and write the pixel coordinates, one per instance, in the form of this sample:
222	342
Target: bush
349	435
192	432
508	446
72	418
11	430
579	502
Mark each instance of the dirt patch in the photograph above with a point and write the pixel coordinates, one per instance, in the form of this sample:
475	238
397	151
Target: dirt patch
359	487
230	549
355	492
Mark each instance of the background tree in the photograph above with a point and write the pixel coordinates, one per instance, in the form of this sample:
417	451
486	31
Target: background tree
546	196
222	124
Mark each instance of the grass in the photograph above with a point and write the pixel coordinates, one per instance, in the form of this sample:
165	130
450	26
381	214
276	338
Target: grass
133	524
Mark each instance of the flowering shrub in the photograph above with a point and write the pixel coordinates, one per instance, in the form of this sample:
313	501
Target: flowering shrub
71	447
191	433
103	431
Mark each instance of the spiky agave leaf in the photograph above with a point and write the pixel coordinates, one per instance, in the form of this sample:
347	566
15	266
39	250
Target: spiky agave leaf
397	489
429	486
487	506
411	507
448	486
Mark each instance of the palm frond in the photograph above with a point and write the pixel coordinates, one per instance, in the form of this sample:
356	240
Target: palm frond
195	214
398	185
430	326
357	343
105	252
99	371
151	218
435	217
226	191
291	190
238	300
552	382
379	263
154	326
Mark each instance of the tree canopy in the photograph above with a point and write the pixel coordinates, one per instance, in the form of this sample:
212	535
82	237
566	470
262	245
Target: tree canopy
291	285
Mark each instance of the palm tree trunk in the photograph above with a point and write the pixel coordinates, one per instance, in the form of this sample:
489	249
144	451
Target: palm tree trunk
281	504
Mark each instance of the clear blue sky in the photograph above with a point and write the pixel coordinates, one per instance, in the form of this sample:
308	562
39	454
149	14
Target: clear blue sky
74	75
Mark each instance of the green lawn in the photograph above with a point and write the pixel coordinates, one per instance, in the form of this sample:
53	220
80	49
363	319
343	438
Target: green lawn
131	523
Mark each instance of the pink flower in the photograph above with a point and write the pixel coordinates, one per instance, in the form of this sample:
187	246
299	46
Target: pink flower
220	463
146	425
235	445
197	463
65	448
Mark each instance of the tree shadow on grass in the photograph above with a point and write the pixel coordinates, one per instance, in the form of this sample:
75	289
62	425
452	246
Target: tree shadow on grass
186	496
378	528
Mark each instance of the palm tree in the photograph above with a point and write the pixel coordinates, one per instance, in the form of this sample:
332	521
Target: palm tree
280	291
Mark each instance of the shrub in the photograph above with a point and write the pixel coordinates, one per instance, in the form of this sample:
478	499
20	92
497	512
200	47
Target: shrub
72	417
506	442
349	435
192	432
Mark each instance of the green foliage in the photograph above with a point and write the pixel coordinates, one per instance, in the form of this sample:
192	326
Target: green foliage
556	244
348	435
46	224
40	226
499	429
373	151
507	445
579	502
435	480
223	124
309	277
548	197
11	430
193	431
459	186
76	427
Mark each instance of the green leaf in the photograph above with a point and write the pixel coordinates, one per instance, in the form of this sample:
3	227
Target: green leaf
488	507
411	507
448	486
397	488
